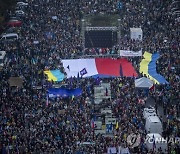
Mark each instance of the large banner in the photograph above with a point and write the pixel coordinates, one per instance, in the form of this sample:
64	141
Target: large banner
98	67
128	53
136	33
64	92
148	67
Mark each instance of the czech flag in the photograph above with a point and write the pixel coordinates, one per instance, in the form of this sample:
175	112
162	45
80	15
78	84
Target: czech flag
92	124
98	67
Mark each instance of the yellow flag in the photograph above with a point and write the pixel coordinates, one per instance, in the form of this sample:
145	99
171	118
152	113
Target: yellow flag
117	125
103	127
168	122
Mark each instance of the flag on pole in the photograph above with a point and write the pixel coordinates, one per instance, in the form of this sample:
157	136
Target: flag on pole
169	65
152	88
78	75
121	71
98	80
106	92
92	124
68	67
160	94
33	61
47	101
117	125
119	5
109	128
154	143
168	121
83	72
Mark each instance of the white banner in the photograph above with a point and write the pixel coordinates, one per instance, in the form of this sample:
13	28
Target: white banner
111	150
136	33
127	53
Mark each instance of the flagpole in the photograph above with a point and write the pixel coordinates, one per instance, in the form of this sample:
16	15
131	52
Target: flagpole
154	144
47	101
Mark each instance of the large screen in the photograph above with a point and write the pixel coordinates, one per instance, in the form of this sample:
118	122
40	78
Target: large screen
100	39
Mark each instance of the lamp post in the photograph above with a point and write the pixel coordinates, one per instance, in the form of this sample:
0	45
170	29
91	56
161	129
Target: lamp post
119	30
83	33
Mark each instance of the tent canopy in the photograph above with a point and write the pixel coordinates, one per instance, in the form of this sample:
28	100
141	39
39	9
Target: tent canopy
143	83
136	33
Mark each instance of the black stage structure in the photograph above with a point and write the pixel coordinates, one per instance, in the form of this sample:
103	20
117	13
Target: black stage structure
100	36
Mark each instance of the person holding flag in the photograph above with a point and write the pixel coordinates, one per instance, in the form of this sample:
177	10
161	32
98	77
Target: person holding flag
92	123
117	125
47	101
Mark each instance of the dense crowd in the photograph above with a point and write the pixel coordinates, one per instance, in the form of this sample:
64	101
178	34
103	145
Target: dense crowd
50	32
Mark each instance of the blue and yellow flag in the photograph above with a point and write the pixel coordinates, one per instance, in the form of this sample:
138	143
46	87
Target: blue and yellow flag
117	125
148	67
54	75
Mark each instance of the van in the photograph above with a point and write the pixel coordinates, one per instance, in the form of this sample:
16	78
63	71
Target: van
22	4
155	141
106	111
149	112
153	125
19	13
110	120
10	36
2	58
98	124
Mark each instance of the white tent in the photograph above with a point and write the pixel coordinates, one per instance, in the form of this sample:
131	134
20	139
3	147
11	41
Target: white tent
143	83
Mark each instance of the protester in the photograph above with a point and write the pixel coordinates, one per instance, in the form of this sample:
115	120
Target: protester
51	31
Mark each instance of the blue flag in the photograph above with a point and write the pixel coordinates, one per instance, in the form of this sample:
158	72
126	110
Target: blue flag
83	71
119	6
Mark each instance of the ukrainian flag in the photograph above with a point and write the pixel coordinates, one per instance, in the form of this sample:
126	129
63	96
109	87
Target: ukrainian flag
117	125
54	75
148	67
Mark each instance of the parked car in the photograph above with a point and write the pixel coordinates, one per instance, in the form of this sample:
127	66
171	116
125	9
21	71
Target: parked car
9	37
22	4
19	13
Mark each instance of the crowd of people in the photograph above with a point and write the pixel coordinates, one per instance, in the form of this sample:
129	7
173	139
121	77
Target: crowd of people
51	31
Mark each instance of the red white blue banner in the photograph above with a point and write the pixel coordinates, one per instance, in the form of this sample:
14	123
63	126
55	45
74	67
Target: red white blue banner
98	67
